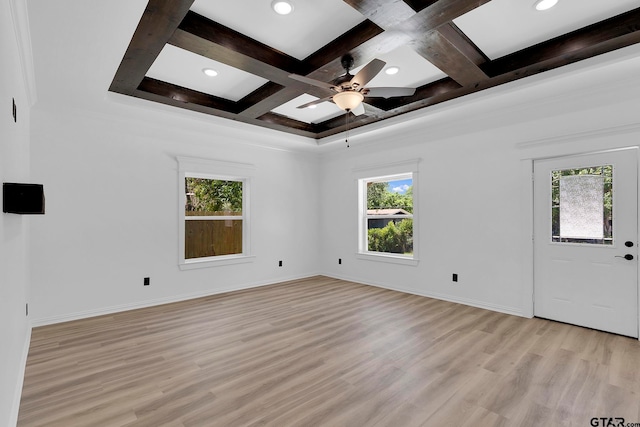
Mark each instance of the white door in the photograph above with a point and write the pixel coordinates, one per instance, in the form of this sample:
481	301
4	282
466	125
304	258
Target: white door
585	240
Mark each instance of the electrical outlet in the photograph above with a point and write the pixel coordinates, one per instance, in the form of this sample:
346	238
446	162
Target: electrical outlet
455	277
279	263
147	281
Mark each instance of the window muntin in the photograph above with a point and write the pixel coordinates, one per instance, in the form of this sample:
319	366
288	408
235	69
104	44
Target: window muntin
387	215
582	205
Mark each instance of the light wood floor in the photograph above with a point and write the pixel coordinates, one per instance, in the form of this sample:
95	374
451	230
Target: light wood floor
325	352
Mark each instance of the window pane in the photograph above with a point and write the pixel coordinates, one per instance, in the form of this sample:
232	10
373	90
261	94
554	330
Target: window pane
582	205
394	194
213	197
207	238
390	235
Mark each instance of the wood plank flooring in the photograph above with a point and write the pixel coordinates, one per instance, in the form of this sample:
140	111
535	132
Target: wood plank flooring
325	352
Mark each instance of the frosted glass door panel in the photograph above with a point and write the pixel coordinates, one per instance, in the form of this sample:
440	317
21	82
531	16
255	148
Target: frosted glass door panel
581	205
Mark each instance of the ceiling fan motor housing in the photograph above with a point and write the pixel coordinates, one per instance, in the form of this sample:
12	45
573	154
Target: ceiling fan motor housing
347	62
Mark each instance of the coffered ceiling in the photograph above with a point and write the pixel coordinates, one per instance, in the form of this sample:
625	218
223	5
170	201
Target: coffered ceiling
445	49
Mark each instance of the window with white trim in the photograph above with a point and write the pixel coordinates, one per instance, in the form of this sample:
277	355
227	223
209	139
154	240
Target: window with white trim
214	214
214	218
387	227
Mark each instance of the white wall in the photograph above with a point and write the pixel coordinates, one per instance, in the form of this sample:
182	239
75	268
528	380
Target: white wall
474	181
14	167
111	184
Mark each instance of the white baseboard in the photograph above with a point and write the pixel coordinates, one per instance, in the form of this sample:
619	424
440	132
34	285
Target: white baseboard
15	408
158	301
183	297
465	301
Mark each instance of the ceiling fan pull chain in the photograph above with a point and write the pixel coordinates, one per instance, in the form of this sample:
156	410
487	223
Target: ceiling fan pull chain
346	138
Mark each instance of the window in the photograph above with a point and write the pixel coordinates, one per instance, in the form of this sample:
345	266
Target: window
387	204
213	217
214	220
581	205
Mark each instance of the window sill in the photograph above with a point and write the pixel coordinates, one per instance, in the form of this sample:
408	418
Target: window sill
392	259
212	262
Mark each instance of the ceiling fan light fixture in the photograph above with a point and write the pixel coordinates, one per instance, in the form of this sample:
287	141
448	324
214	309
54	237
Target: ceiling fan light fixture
282	7
541	5
348	100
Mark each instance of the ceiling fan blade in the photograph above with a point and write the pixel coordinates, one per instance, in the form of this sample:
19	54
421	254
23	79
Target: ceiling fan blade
311	82
369	71
316	102
359	110
389	92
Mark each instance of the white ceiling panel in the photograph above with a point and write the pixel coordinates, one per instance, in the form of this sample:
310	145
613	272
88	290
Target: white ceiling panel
321	112
184	68
310	26
500	27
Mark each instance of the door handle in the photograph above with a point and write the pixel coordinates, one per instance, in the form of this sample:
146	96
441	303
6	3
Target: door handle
628	257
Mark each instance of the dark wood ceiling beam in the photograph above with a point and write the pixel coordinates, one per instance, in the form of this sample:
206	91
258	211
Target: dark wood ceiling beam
385	14
337	125
436	14
610	34
463	43
316	66
356	36
235	42
278	121
186	95
275	100
445	55
379	109
210	39
220	53
418	5
158	22
423	95
170	21
264	91
290	126
431	33
362	54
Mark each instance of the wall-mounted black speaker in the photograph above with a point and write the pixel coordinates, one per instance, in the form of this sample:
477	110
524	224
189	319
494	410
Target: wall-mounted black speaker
26	199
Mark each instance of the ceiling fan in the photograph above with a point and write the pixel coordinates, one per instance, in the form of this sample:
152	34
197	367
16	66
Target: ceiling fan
350	90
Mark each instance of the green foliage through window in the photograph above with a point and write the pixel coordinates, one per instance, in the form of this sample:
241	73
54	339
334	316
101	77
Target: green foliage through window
379	197
393	238
211	196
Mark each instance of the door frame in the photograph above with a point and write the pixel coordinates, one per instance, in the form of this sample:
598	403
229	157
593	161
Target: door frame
527	215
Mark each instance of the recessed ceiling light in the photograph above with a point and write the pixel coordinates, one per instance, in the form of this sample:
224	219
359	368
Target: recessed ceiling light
282	7
311	107
392	70
545	4
210	72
